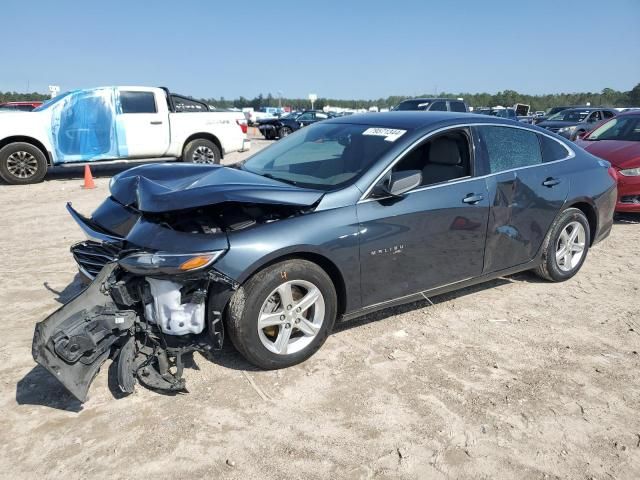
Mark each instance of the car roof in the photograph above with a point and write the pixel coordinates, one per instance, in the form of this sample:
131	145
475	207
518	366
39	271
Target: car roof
415	119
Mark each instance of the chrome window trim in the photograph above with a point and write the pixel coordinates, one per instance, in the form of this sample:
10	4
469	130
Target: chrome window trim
363	197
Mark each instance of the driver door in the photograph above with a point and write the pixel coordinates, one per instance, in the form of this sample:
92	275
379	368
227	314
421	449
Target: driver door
431	236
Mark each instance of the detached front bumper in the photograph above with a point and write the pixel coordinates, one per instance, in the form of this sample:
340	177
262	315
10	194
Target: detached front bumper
74	341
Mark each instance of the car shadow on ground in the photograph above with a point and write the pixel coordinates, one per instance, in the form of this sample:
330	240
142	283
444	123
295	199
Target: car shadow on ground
626	219
71	290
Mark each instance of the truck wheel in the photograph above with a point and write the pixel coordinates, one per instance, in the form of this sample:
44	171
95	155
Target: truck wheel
201	151
22	163
283	314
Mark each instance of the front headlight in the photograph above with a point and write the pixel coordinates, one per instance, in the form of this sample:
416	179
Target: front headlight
567	129
630	172
165	263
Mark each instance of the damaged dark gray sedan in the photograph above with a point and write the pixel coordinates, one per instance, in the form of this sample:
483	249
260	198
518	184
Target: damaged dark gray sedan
337	220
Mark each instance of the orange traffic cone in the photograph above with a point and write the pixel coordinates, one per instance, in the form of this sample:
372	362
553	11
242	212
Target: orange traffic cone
88	178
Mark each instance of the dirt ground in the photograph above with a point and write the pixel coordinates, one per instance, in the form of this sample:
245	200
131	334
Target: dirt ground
515	379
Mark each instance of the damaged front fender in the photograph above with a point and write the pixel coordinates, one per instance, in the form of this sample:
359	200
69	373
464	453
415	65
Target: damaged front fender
74	341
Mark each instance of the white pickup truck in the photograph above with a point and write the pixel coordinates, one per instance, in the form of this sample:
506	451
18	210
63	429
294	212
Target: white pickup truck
114	124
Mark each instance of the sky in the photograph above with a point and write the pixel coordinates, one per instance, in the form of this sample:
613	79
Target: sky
337	49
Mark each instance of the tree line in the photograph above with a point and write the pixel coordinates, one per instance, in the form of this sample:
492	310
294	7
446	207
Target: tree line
607	97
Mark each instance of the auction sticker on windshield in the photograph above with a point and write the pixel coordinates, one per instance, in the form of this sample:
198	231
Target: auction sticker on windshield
389	134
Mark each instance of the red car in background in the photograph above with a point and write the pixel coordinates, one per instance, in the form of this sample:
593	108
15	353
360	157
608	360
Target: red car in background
23	106
618	142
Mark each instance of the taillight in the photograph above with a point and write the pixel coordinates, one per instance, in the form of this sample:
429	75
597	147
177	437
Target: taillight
243	125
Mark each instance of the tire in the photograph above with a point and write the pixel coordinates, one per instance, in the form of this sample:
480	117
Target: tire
201	150
284	131
576	135
556	267
22	164
269	135
258	295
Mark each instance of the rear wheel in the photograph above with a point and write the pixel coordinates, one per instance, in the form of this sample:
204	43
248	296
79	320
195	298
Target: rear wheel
565	247
283	314
22	163
201	150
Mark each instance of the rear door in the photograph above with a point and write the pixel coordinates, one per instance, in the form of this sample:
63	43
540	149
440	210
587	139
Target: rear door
526	192
144	117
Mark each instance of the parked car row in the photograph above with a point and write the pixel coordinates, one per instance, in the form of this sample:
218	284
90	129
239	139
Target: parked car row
280	127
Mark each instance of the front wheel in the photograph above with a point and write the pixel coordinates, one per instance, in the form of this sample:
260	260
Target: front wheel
565	247
577	134
22	163
201	150
284	131
283	314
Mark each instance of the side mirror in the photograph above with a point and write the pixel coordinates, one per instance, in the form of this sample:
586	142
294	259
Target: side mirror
397	184
581	135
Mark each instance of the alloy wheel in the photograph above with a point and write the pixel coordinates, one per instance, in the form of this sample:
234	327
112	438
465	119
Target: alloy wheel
570	246
291	317
203	154
22	164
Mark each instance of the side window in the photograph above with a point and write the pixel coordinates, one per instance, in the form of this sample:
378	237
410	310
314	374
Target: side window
595	117
305	117
552	150
507	148
321	116
138	102
439	106
608	114
183	104
441	159
457	107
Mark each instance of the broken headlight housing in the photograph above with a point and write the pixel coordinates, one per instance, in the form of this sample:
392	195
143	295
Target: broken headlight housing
166	263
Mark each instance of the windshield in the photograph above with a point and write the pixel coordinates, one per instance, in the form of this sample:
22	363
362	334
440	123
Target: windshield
570	116
324	156
290	115
623	128
412	105
53	101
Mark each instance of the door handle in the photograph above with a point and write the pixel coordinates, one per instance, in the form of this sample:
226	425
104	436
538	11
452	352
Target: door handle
473	198
156	122
551	182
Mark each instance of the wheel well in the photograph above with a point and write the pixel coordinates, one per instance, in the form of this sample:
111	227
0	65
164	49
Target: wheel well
590	213
17	138
327	265
205	136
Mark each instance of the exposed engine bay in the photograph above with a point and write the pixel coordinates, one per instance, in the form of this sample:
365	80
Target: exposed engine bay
145	324
226	217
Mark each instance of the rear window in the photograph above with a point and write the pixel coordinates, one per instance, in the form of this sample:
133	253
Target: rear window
138	102
412	105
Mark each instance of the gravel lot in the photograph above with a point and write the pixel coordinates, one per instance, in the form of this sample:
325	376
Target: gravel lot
515	379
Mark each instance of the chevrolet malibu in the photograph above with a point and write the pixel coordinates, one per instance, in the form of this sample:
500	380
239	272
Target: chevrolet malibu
337	220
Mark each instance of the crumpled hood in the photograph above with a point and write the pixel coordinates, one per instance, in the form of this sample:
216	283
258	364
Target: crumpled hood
621	154
171	187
